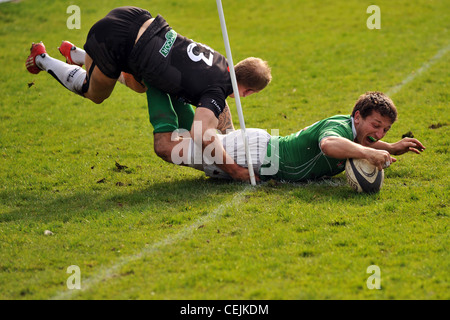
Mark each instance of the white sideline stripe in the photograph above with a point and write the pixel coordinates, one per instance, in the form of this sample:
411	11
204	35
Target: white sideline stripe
108	272
422	69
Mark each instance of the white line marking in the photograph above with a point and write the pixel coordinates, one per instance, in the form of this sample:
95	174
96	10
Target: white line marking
422	69
107	272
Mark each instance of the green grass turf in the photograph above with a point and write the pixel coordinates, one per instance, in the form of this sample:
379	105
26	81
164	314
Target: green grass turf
158	231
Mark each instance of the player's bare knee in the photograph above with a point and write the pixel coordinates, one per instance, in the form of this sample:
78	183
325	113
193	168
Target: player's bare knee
163	152
162	146
97	100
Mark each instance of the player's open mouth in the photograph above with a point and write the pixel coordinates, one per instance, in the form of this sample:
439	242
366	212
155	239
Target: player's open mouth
371	139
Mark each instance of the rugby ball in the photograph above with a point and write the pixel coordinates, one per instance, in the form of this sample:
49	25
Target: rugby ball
363	176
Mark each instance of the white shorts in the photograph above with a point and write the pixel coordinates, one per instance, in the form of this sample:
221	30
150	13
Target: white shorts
233	144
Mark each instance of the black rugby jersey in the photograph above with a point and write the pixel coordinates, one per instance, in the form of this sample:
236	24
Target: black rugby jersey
190	71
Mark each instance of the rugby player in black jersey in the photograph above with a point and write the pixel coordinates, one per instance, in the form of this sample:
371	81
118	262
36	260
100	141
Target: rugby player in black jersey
131	46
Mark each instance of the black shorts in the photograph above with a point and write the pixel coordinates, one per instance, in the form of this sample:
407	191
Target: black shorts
111	40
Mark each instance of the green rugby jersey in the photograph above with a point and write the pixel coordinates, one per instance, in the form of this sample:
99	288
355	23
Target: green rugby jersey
299	154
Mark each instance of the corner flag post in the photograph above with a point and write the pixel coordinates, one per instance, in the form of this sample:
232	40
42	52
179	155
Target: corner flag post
236	90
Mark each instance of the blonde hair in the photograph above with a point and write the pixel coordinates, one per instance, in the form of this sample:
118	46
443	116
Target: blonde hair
254	73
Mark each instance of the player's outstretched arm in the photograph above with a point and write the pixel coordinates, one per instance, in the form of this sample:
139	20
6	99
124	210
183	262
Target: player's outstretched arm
400	147
342	148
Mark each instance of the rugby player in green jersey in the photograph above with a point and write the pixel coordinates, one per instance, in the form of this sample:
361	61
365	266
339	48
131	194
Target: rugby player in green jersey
319	150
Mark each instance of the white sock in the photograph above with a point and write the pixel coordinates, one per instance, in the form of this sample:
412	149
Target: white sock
70	76
78	55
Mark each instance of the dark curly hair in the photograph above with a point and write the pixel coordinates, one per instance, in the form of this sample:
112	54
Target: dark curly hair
375	101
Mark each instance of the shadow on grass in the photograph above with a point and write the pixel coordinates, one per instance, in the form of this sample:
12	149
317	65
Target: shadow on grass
46	206
158	198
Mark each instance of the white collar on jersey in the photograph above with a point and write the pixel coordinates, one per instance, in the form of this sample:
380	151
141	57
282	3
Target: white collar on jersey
353	129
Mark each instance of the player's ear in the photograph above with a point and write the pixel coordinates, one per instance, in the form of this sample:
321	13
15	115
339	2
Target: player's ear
357	117
248	92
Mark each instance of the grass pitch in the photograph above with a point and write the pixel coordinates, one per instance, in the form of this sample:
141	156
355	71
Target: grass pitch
157	231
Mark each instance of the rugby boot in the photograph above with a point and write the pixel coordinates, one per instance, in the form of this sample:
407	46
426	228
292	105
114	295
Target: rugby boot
65	49
36	50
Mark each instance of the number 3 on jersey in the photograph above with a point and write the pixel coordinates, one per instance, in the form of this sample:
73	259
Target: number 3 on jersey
196	52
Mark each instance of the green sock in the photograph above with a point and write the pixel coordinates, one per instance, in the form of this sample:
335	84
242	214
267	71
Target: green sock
160	110
185	113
